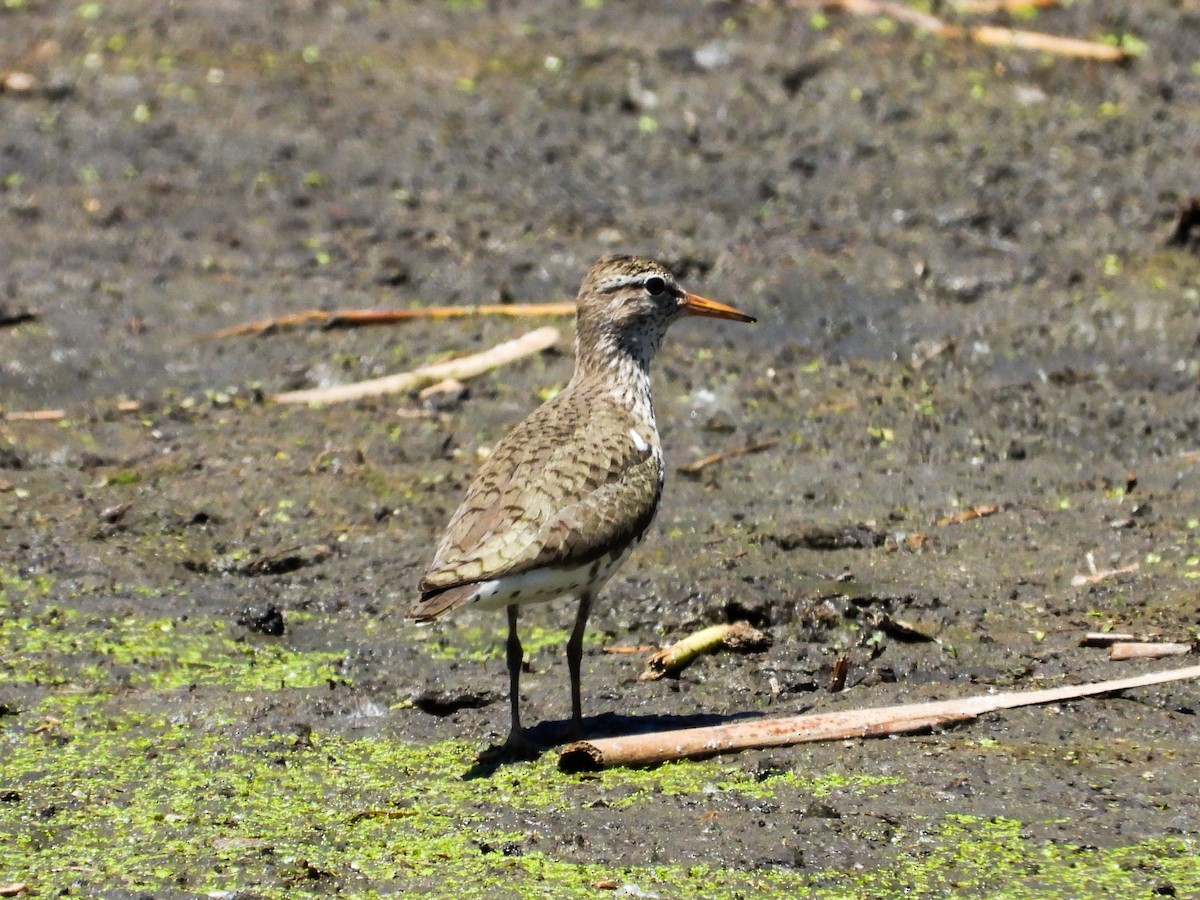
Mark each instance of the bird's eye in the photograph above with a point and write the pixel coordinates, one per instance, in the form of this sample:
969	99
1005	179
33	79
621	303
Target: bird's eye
655	286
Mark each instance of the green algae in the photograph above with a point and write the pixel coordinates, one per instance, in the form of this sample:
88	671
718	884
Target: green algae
45	644
65	647
142	803
993	856
711	778
100	791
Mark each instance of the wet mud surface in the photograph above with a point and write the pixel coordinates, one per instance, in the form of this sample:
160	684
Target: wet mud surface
958	260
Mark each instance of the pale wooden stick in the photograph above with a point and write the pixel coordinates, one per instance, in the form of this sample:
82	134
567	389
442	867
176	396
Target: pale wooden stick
994	36
1122	650
33	415
650	749
462	369
681	654
17	82
358	318
56	415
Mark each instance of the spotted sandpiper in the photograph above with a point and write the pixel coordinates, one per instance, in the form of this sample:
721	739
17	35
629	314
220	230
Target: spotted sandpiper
563	498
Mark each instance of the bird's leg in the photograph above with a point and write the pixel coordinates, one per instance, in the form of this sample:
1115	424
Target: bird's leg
574	658
516	745
516	658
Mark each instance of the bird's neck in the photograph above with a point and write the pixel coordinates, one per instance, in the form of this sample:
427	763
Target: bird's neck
621	373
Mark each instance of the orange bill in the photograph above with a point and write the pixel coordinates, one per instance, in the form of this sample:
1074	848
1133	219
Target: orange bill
695	305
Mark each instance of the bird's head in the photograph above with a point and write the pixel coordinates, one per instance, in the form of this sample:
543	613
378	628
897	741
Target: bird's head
626	304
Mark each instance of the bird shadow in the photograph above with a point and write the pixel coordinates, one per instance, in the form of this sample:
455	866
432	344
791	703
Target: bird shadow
546	736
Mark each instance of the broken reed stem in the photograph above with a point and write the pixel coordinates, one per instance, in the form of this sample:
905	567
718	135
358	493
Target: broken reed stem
680	655
463	368
650	749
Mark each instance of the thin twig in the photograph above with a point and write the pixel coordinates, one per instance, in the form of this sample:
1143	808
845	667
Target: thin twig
462	369
363	814
1095	576
699	465
621	649
358	318
974	512
650	749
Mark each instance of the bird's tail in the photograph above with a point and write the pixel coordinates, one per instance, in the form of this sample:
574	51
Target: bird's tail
438	602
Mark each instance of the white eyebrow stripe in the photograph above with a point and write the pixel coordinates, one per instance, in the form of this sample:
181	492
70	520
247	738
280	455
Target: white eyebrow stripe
620	281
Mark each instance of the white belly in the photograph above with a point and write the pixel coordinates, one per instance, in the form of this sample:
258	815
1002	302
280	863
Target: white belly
541	585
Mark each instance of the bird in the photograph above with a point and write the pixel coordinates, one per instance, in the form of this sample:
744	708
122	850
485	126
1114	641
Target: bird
563	498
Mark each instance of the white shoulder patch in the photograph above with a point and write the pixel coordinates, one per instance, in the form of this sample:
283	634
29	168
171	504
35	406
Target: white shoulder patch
638	441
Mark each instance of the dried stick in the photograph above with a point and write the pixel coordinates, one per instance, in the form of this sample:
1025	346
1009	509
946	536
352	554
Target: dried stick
988	35
463	368
33	415
629	648
994	36
56	415
1122	650
650	749
358	318
1095	576
680	655
974	512
697	466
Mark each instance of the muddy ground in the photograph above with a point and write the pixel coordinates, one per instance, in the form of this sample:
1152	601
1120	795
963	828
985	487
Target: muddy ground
957	257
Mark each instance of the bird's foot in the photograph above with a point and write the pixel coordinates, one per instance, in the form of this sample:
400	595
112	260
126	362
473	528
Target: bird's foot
515	747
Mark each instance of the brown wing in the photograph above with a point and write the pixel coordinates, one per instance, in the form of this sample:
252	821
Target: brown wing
563	487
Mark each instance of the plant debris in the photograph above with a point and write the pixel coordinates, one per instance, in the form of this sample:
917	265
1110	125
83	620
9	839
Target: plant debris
738	636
